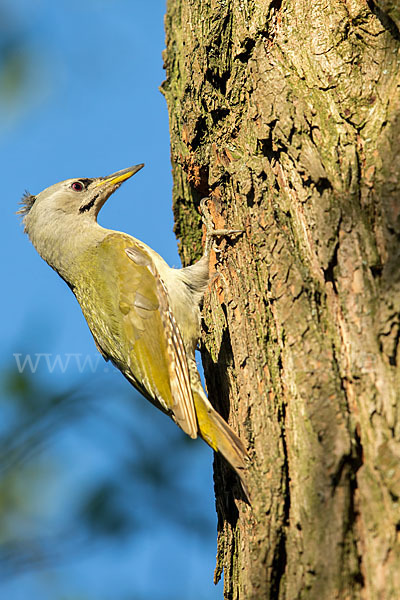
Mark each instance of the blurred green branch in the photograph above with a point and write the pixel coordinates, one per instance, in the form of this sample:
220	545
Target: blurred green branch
109	505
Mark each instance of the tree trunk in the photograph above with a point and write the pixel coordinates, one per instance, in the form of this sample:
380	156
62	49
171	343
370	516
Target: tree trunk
287	115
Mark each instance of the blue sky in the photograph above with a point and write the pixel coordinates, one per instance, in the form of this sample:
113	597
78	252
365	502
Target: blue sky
90	105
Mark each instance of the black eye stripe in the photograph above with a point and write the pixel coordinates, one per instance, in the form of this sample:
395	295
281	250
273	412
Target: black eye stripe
89	205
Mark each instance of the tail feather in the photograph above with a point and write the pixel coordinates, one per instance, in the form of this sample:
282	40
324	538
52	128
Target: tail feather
217	433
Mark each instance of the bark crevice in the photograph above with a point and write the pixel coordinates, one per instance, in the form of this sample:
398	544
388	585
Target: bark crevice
387	22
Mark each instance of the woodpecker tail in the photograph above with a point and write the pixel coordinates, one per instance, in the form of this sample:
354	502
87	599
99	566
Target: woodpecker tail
217	433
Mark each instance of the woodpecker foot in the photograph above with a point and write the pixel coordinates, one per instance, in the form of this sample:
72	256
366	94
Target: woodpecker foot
211	233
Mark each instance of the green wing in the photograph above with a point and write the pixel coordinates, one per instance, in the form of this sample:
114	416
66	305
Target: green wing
137	330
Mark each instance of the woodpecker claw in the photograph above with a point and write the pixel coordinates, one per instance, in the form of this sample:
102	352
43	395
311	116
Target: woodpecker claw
211	233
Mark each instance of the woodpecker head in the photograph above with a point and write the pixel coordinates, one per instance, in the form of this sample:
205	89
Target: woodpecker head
80	198
61	221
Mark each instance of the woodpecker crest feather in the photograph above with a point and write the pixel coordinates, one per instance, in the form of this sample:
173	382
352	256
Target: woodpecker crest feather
27	201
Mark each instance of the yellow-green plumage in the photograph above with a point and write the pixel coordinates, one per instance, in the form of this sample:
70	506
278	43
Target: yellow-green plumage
119	299
144	316
107	290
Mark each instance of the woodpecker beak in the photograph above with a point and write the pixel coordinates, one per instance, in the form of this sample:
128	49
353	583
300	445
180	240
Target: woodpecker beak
119	177
107	186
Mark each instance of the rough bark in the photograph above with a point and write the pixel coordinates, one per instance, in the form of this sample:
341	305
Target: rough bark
287	115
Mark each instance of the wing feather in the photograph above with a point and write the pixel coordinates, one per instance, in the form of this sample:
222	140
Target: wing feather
155	360
183	406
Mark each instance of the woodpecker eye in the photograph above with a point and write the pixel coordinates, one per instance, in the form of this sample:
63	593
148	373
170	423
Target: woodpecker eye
77	186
